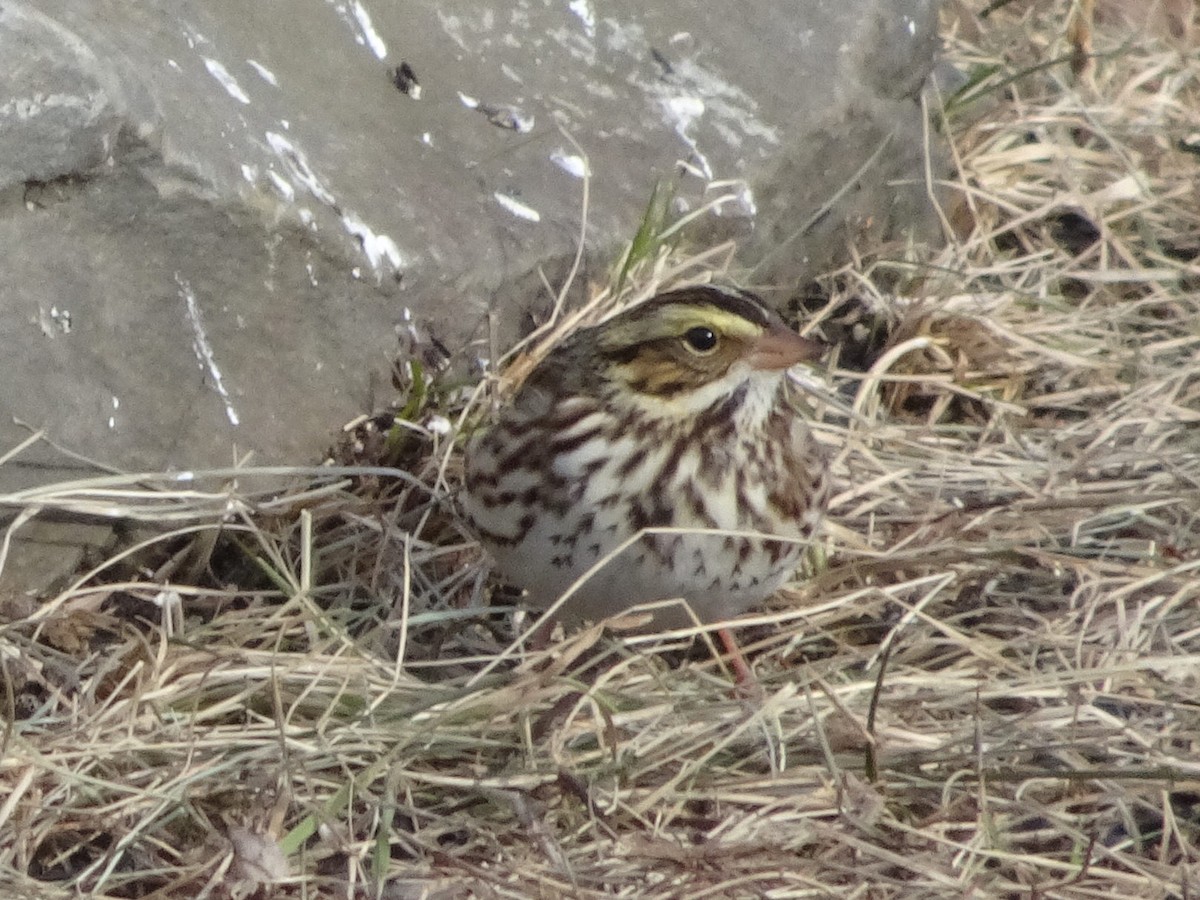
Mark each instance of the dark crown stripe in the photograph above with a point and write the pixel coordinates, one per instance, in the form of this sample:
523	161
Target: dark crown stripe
740	303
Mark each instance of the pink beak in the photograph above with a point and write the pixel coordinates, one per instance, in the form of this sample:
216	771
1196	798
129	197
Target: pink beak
782	348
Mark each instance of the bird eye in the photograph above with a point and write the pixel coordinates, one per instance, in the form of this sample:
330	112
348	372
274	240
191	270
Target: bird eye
700	339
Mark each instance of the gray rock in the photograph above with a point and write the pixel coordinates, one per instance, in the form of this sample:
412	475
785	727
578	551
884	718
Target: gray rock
58	112
216	213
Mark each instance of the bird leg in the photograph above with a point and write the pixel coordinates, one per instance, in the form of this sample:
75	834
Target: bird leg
742	675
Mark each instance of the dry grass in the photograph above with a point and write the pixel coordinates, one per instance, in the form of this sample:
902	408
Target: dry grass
987	687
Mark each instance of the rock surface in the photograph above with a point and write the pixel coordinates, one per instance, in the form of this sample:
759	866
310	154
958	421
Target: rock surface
216	213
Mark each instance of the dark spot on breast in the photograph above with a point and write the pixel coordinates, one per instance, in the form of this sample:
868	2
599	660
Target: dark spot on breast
643	428
695	500
561	421
633	462
575	441
669	467
717	422
649	512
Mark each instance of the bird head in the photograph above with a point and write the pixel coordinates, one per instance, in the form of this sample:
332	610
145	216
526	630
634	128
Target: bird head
688	348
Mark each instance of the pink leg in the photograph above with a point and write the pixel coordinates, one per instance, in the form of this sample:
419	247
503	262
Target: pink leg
742	676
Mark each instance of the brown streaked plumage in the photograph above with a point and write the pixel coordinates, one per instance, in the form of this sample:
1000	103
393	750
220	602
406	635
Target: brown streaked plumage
671	415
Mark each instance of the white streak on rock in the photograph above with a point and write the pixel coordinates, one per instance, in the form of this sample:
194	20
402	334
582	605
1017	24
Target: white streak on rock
297	167
227	81
724	100
263	72
571	163
203	349
681	112
517	208
587	15
377	247
369	34
282	185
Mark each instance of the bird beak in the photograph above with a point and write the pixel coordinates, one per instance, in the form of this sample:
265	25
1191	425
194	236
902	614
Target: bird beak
782	348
